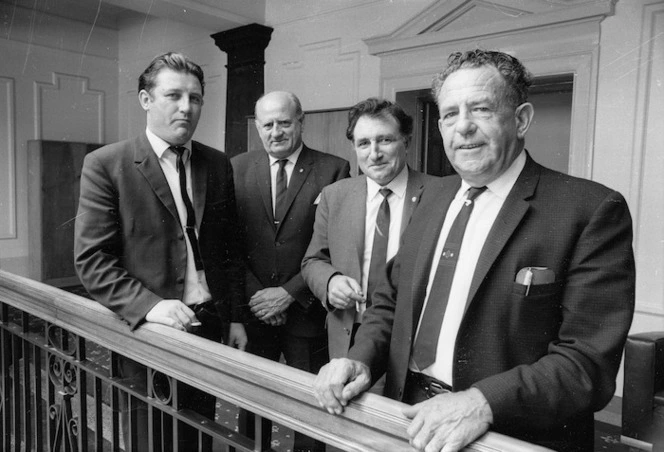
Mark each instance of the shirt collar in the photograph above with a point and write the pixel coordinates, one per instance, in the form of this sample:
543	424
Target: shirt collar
502	186
291	158
397	185
159	146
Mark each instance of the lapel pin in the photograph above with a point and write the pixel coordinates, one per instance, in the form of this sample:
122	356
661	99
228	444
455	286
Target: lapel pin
301	169
414	199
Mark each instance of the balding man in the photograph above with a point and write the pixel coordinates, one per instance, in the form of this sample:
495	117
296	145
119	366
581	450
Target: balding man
277	193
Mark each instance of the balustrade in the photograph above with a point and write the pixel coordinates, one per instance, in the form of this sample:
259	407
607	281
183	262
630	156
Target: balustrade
60	388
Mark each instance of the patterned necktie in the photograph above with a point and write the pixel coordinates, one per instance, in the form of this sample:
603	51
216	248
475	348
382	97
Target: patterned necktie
190	227
281	191
424	350
380	240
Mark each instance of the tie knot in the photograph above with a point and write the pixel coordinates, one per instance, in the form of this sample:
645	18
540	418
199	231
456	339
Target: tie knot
385	192
179	150
282	163
474	192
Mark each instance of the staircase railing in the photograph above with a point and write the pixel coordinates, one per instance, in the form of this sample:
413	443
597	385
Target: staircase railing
60	388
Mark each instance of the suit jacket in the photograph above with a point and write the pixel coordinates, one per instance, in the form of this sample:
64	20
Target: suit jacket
274	255
130	250
337	245
547	360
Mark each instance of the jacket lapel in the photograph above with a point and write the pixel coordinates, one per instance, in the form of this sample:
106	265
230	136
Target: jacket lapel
508	219
147	164
427	248
356	206
303	167
199	178
264	183
414	190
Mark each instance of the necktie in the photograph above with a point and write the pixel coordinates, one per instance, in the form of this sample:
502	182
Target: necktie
424	351
280	195
379	250
190	227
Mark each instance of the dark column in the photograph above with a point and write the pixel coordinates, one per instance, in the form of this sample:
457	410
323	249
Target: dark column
245	47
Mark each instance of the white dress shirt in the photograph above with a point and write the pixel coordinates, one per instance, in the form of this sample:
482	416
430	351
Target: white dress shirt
274	169
484	214
374	200
196	289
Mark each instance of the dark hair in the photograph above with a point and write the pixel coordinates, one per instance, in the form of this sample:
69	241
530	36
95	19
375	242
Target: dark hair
171	60
375	108
516	76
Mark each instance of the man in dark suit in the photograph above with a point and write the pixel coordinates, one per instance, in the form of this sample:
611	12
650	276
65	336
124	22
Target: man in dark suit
277	191
346	255
156	231
527	339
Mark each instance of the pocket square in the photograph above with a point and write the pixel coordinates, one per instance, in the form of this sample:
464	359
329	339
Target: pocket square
534	276
317	201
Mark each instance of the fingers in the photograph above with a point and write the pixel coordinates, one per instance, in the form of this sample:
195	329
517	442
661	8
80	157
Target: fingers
173	313
343	292
338	382
237	336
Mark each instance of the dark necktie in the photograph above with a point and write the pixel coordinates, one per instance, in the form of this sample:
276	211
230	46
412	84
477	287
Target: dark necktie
190	228
379	250
424	351
281	191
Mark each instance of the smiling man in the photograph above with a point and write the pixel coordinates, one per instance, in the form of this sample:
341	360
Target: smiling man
156	233
360	221
508	304
278	190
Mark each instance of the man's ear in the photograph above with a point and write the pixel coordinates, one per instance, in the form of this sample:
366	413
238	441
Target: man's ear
524	116
144	98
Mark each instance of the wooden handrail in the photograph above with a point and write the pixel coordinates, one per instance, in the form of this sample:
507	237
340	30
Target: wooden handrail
272	390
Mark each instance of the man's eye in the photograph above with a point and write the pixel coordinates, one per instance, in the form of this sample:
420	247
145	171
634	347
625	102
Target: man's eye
362	144
386	140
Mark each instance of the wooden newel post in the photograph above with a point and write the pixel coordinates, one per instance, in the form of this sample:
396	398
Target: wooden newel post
245	47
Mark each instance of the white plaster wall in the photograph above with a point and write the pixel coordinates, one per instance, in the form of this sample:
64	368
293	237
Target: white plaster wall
58	79
317	50
140	40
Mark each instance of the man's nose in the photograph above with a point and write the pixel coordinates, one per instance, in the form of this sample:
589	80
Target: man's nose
465	124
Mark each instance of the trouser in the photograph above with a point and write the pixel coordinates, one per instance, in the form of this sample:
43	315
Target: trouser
304	353
188	397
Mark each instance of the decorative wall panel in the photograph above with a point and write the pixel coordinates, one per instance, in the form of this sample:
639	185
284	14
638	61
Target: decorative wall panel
648	164
67	110
7	160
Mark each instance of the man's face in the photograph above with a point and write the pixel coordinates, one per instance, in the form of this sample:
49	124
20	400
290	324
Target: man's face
278	126
174	106
482	133
380	147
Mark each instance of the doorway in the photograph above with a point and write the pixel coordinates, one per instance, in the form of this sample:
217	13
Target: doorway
548	139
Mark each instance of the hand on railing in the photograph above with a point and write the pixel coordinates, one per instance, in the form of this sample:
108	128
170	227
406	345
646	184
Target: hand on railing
339	381
448	422
173	313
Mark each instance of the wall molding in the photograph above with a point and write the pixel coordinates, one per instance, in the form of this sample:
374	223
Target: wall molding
645	156
8	225
72	129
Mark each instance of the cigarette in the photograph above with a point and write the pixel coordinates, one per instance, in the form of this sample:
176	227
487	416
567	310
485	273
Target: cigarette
195	324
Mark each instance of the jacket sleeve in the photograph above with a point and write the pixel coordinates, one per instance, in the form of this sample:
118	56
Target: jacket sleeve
317	266
98	247
297	286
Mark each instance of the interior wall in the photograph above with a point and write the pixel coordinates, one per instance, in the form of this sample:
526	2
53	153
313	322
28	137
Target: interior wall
140	40
317	50
58	81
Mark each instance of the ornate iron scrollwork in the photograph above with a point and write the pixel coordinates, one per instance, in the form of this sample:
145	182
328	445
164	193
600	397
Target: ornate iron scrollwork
63	375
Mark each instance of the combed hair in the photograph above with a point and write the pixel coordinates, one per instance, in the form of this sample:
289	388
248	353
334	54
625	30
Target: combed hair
517	78
376	108
171	60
